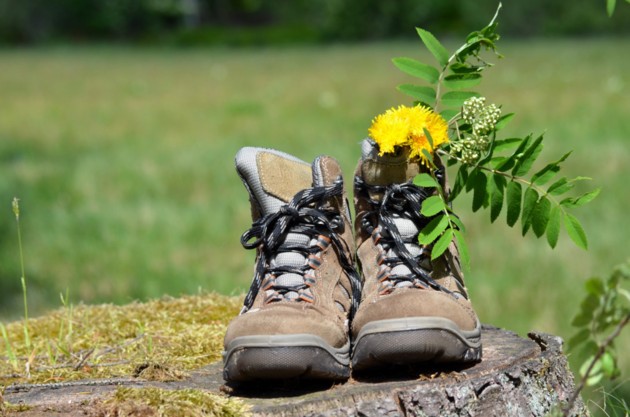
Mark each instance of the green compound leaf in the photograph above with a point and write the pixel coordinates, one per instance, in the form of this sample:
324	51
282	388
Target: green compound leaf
432	206
586	198
434	46
544	175
553	227
496	187
509	162
461	81
513	201
460	182
457	222
500	145
457	98
560	187
581	200
431	231
480	187
442	244
422	93
464	254
529	202
575	231
525	162
470	180
503	121
425	180
497	161
417	69
540	216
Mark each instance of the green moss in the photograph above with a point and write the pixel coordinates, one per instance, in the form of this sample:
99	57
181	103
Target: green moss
160	402
158	340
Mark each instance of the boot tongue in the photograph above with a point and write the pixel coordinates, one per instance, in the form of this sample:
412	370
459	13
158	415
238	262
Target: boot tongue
386	169
272	177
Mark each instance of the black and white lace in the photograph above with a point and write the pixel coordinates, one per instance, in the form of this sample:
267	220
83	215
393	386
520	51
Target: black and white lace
289	241
394	222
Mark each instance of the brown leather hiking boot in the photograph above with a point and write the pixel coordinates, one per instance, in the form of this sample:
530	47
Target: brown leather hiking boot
412	309
295	319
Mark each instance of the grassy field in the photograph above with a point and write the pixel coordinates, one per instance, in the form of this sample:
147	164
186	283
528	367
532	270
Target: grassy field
123	162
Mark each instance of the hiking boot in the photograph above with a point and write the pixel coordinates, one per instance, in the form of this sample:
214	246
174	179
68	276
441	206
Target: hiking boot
295	318
412	310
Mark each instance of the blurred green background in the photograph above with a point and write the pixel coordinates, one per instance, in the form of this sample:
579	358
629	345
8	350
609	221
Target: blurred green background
119	122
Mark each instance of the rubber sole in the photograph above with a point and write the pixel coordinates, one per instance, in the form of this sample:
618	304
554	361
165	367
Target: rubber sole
301	356
414	340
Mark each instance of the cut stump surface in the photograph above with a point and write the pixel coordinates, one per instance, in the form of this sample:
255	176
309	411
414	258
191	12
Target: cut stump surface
517	377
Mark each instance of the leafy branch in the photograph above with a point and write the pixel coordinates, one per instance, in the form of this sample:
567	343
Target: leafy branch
495	171
498	180
605	307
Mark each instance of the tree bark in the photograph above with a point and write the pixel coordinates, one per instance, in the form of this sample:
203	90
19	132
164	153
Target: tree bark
517	377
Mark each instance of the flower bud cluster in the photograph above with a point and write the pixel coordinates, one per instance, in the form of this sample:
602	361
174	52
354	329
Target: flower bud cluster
483	120
470	148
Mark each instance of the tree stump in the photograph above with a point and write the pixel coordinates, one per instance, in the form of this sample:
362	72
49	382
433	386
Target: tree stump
517	377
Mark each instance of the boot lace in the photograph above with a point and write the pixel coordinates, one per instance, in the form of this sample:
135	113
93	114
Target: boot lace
394	222
304	227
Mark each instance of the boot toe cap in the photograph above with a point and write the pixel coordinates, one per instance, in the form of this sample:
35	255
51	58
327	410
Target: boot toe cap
287	320
406	303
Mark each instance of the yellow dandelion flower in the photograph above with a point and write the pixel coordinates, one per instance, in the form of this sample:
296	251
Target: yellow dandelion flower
404	127
390	130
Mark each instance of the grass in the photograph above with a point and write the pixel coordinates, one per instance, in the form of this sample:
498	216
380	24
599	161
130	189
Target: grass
123	163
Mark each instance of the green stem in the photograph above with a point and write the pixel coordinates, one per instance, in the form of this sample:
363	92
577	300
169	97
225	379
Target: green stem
454	119
16	209
448	155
